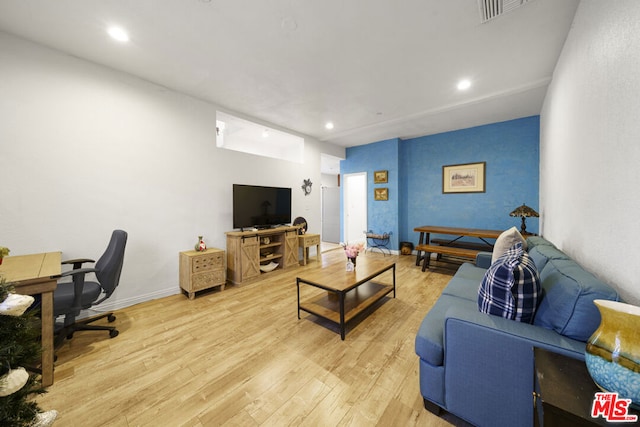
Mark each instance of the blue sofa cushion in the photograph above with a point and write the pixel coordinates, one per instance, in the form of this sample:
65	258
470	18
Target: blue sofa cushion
466	282
526	289
541	254
511	287
567	305
533	241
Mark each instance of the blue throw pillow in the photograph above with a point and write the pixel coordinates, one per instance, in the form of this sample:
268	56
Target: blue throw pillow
526	289
511	287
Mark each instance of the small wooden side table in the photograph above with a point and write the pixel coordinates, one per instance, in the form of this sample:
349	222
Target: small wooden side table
307	240
201	270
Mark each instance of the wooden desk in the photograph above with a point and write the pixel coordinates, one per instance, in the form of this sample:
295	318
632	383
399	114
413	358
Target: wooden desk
450	248
32	275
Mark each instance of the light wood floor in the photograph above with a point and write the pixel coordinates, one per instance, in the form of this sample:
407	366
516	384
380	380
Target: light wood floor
242	357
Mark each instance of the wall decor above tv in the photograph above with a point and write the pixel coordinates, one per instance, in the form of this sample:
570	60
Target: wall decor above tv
260	206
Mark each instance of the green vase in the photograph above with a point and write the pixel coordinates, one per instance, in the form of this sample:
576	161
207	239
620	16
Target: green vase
612	354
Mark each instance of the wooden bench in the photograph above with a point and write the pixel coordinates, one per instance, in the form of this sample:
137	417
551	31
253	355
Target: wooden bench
444	250
463	244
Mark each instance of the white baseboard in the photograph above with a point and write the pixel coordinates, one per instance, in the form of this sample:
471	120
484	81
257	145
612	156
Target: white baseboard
116	305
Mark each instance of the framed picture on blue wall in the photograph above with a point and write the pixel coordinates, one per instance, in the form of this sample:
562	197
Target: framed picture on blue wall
381	193
380	177
464	178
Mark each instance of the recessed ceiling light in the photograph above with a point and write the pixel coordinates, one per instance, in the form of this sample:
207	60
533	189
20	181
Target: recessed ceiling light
329	125
119	34
464	84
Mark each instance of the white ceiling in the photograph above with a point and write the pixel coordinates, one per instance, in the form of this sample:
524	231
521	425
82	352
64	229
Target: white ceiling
378	69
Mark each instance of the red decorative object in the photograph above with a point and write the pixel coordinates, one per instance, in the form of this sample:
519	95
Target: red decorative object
200	246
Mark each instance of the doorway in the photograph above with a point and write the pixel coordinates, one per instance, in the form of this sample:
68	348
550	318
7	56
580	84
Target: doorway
355	207
331	214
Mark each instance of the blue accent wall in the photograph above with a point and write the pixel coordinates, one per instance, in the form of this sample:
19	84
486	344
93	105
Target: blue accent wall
382	215
510	150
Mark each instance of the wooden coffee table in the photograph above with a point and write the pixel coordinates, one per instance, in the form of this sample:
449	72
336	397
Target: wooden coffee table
349	293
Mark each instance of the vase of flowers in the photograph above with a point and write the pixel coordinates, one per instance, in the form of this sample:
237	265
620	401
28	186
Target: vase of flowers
200	245
352	251
3	253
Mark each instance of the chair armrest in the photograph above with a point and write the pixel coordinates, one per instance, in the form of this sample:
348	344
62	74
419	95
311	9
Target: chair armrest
77	271
78	279
73	261
77	263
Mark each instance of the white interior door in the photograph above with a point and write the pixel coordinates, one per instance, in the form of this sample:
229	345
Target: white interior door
355	207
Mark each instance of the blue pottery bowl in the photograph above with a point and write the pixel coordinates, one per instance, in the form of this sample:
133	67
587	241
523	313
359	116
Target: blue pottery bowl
612	377
612	354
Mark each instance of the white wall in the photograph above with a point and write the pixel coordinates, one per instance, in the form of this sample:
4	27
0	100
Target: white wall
329	180
85	149
590	145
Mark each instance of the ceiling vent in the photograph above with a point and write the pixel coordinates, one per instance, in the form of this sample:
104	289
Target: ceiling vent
490	9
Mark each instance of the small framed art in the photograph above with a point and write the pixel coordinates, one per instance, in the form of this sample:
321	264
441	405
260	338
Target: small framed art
381	193
464	178
380	177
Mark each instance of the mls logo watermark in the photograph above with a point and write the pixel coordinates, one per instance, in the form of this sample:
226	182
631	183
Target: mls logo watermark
612	408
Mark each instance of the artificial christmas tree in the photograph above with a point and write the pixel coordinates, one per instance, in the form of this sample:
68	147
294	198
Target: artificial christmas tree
19	346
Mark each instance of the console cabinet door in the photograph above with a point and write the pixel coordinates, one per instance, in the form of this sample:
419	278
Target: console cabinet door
243	258
250	254
290	249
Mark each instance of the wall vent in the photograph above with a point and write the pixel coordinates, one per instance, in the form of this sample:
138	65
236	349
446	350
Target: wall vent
490	9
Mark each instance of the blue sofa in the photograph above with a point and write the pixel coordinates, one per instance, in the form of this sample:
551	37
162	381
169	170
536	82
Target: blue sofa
480	367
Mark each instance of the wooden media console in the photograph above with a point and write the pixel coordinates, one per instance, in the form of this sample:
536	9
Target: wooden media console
247	251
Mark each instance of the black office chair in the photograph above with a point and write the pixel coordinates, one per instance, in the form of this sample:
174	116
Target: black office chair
70	298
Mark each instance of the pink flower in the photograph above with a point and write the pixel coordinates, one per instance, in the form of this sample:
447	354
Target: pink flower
352	251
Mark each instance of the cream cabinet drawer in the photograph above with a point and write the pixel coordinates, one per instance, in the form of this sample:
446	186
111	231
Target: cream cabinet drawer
312	240
206	280
208	262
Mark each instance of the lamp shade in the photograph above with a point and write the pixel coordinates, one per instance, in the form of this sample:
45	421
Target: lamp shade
524	211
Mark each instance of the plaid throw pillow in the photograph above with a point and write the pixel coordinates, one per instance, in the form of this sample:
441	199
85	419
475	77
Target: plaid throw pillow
511	287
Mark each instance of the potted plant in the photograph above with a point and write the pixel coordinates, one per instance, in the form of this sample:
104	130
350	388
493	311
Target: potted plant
3	253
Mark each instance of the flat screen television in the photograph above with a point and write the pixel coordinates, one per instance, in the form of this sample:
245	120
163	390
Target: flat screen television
260	207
